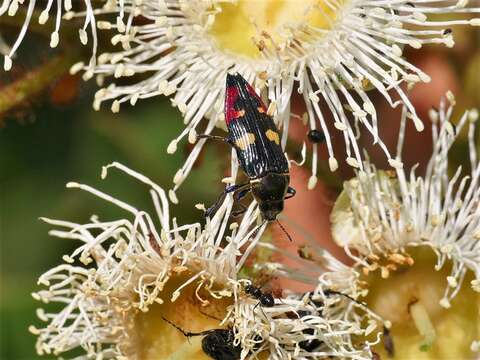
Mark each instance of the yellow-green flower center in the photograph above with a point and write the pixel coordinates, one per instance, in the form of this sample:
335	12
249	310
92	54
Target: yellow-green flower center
155	338
421	328
249	26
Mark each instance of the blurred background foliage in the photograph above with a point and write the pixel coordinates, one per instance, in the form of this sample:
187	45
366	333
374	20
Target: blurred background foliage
72	144
50	135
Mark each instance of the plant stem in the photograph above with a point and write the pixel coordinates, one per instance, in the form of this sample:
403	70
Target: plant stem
32	82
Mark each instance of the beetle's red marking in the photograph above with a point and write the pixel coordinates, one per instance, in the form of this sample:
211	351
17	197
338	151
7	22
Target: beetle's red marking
231	96
237	89
252	92
238	114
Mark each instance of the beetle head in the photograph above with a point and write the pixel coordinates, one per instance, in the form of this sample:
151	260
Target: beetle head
269	193
270	209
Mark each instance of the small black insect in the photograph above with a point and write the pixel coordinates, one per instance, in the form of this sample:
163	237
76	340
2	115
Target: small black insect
216	343
255	137
311	344
316	136
265	299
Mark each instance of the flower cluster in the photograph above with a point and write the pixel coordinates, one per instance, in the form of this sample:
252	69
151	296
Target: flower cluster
423	233
325	322
148	268
124	270
135	260
330	52
126	290
382	214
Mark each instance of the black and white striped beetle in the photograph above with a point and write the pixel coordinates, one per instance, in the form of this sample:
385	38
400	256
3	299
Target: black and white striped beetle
253	134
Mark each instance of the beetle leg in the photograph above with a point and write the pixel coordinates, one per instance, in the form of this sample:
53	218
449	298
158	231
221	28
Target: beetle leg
261	308
214	137
210	316
240	211
213	209
290	193
241	194
233	188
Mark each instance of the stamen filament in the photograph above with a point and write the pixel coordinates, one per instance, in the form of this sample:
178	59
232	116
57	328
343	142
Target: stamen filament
424	325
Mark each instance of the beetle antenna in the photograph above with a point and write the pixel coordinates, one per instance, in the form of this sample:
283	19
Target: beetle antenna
329	292
176	327
186	334
285	231
210	316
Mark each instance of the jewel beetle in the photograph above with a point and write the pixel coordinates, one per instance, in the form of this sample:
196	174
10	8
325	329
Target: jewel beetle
256	140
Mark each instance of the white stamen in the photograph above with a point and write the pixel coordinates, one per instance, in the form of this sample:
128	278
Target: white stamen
172	147
333	164
312	182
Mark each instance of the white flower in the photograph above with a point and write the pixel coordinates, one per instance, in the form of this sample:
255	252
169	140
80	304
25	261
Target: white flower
132	264
329	52
381	215
422	235
306	327
421	232
327	321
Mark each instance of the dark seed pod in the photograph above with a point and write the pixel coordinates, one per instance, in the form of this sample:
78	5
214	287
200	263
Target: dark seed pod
316	136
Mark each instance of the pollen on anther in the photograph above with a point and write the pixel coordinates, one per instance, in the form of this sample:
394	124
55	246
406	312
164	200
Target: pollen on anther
172	147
